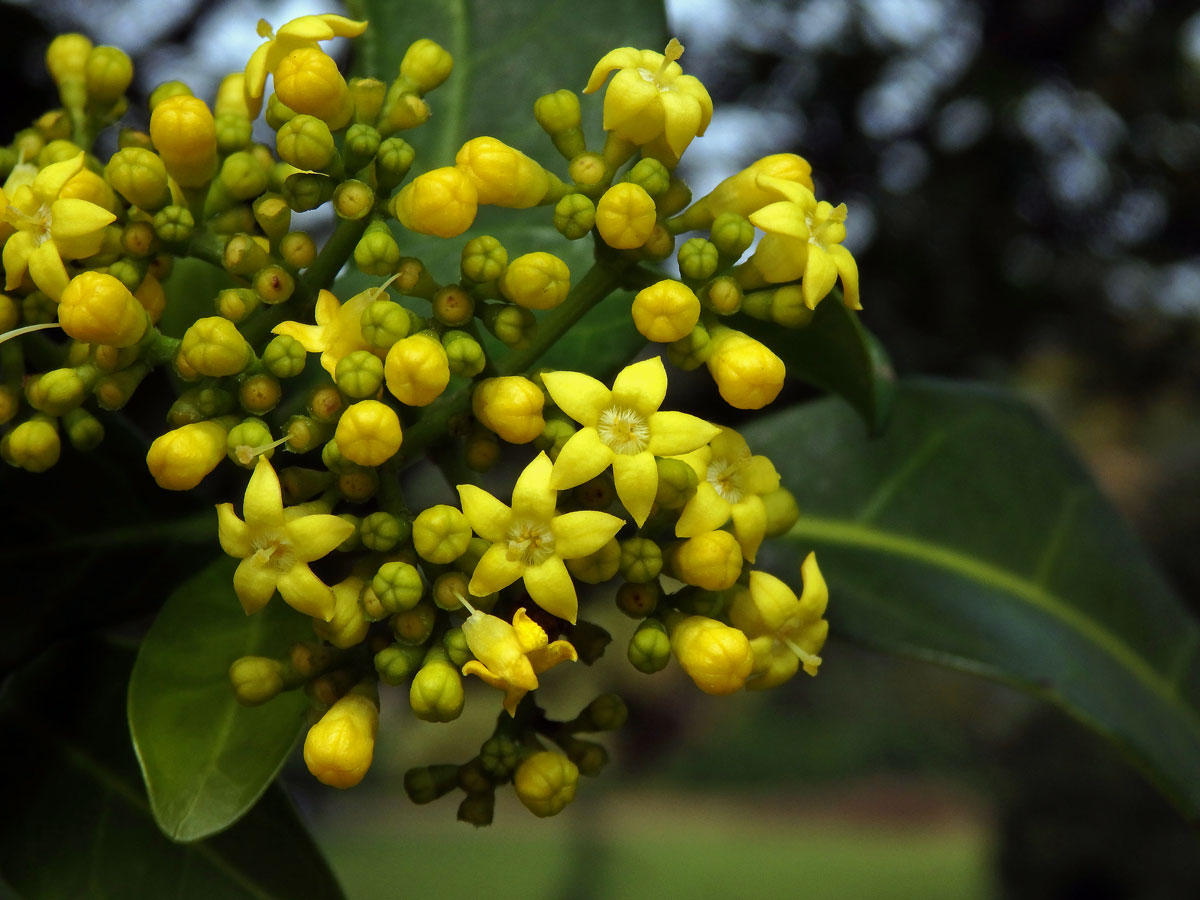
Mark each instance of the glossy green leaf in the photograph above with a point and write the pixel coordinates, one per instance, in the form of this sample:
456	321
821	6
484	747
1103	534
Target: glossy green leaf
76	821
837	354
969	535
206	759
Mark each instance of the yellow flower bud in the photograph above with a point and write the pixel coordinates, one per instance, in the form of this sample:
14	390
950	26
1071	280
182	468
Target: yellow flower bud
339	748
748	374
349	626
625	216
185	135
213	346
308	81
256	679
153	298
368	433
98	309
742	194
417	369
67	56
441	534
232	98
108	71
598	567
545	782
33	445
536	281
140	176
502	175
712	560
510	406
714	655
426	64
181	458
436	693
442	202
666	311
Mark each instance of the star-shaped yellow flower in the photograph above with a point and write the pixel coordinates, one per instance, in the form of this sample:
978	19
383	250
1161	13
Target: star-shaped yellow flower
731	484
804	238
622	428
49	229
276	545
511	657
338	331
532	539
302	32
785	632
650	102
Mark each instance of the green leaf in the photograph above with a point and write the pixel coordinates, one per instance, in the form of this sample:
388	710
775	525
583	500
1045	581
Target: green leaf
76	822
837	354
206	758
970	536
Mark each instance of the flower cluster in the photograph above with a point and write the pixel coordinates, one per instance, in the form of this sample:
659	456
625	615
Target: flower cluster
614	487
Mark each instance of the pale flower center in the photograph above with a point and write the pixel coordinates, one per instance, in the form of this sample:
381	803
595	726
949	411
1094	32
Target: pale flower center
529	542
273	550
623	431
38	224
726	478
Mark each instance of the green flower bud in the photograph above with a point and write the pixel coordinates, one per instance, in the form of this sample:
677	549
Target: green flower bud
441	534
129	272
38	309
277	113
588	756
256	679
677	197
307	190
10	403
140	176
393	159
166	91
638	600
554	436
359	374
305	433
607	712
455	644
589	639
732	234
484	259
299	484
722	295
244	255
59	390
698	259
384	322
361	142
305	142
545	783
513	326
381	531
273	215
436	693
558	114
377	252
691	351
782	511
107	73
198	404
297	249
597	493
234	131
396	663
650	647
398	586
426	64
464	354
352	542
84	430
598	567
243	176
651	176
244	440
353	199
452	306
426	784
368	95
33	445
784	306
113	391
477	809
284	356
235	304
641	560
448	590
574	216
334	461
481	450
499	756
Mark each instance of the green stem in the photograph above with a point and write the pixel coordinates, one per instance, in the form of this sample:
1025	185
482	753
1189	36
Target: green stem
330	260
601	279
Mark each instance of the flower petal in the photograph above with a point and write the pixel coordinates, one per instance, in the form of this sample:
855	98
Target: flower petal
494	571
73	218
848	270
583	457
255	584
17	250
681	119
47	270
579	533
677	433
551	655
706	511
488	517
642	386
533	497
819	275
306	593
311	337
550	585
232	532
750	525
257	71
636	478
620	58
263	506
790	189
580	396
314	536
50	180
759	476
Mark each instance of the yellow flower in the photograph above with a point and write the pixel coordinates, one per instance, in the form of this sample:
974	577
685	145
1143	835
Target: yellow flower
531	539
650	102
624	428
49	228
785	632
731	485
276	545
338	331
804	238
296	34
510	657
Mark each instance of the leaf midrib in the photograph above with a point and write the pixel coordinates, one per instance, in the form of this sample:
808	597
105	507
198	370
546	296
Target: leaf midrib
856	534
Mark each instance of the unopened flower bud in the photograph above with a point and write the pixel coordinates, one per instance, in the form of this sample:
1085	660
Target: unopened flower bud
84	430
441	534
361	142
597	567
698	259
393	159
384	322
305	142
502	175
692	350
173	224
712	560
625	216
181	458
185	135
107	72
426	784
98	309
545	783
377	252
417	369
213	346
715	656
368	433
436	694
574	216
243	176
558	114
641	560
676	483
666	311
308	81
510	406
748	374
396	663
426	64
536	281
782	511
244	443
464	354
348	627
513	326
650	175
256	679
284	356
359	374
339	748
607	712
34	445
441	202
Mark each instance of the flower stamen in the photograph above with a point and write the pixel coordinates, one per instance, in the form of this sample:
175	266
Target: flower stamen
623	431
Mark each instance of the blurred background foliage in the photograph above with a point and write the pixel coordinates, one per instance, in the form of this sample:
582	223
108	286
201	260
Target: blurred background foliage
1022	180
